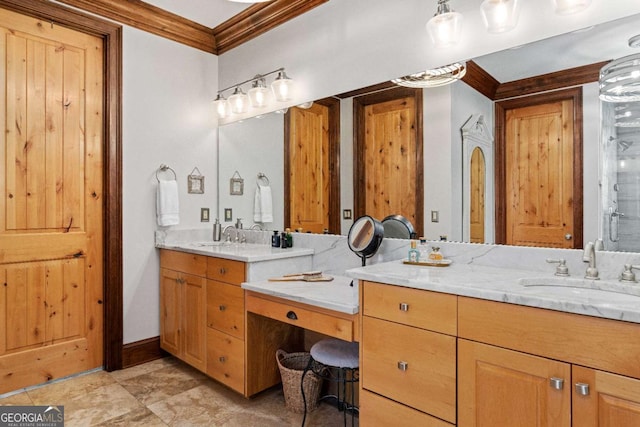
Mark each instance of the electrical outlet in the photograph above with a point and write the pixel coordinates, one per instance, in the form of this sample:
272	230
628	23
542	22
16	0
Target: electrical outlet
204	214
435	216
228	215
346	214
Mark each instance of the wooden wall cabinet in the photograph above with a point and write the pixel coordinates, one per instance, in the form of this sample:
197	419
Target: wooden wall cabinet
182	307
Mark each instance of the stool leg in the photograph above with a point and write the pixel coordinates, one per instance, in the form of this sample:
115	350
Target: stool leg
304	398
353	398
343	373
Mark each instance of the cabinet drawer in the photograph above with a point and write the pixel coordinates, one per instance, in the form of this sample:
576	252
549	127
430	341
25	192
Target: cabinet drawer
183	261
376	411
414	307
225	308
410	365
334	324
225	270
582	340
225	359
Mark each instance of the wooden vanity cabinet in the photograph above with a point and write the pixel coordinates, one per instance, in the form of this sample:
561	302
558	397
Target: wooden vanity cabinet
182	307
408	355
225	322
545	367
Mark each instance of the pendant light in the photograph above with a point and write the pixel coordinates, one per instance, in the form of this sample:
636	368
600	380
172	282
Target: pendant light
239	101
567	7
500	15
445	26
222	107
282	87
259	93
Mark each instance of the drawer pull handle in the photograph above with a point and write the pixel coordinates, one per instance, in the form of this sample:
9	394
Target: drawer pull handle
222	308
582	389
556	383
222	359
404	306
292	315
403	366
222	271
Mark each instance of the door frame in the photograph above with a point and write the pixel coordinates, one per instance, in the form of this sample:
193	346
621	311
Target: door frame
333	105
501	107
359	177
111	34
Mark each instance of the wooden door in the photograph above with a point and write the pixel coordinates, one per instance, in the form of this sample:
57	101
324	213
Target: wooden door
611	401
540	186
312	180
170	302
194	320
51	245
388	155
477	197
499	387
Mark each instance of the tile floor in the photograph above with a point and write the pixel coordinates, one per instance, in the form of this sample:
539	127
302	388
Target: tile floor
165	392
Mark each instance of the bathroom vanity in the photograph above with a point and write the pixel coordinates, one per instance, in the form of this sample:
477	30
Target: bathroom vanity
442	347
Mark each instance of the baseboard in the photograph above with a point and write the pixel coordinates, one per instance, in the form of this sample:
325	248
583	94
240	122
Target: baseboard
142	351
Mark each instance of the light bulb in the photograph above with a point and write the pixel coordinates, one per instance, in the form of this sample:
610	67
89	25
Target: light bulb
221	106
259	94
500	15
239	101
282	87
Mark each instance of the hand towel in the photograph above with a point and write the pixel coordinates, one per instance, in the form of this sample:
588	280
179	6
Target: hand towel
263	204
167	207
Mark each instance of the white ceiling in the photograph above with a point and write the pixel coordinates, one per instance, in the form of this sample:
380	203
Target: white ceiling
603	42
209	13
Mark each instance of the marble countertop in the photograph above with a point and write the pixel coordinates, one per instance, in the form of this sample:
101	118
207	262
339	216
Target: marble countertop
600	298
246	252
336	295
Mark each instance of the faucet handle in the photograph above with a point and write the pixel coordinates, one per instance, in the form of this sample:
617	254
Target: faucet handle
561	269
628	276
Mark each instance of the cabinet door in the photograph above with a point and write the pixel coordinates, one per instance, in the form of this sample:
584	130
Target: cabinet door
609	401
499	387
194	321
225	308
170	299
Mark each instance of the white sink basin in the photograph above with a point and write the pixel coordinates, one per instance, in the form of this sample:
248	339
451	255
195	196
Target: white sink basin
602	290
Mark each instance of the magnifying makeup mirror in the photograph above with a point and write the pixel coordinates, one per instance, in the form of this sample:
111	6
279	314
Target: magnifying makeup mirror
365	237
399	227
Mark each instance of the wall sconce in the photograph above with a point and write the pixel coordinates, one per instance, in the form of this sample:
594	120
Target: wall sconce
259	96
445	26
500	15
567	7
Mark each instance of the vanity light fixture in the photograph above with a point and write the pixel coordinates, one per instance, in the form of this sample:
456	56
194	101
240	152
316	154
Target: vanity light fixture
500	15
259	96
445	26
567	7
433	78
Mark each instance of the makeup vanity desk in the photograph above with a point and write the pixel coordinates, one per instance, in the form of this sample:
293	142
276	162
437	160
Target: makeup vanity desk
278	313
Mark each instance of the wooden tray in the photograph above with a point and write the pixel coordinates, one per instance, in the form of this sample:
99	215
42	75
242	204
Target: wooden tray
442	263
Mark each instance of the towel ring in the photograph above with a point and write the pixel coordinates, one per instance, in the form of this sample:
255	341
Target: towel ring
262	177
164	168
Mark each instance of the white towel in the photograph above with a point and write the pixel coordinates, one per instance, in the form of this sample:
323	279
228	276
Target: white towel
263	204
167	207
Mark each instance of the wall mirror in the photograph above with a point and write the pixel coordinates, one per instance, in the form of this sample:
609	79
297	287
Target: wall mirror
447	110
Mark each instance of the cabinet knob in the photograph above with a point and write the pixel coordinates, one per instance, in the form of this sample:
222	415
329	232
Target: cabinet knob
222	359
223	271
556	383
582	389
222	308
404	306
403	366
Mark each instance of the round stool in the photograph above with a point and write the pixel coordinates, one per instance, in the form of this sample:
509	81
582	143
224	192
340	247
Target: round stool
335	355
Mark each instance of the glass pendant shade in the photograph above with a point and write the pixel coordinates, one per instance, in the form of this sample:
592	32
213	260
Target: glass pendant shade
620	80
282	87
500	15
239	102
446	26
567	7
259	94
222	107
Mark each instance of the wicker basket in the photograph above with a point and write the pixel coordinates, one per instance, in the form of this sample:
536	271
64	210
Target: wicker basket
291	367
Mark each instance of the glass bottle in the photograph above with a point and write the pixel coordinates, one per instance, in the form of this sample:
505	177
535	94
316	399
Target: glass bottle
414	255
423	249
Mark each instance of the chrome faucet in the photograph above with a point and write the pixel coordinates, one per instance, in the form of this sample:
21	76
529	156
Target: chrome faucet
590	257
227	231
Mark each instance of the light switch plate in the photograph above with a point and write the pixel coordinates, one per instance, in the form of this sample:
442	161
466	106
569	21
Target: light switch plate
435	216
204	214
346	214
228	215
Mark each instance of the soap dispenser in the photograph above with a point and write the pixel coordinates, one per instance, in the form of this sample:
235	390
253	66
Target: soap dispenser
217	231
